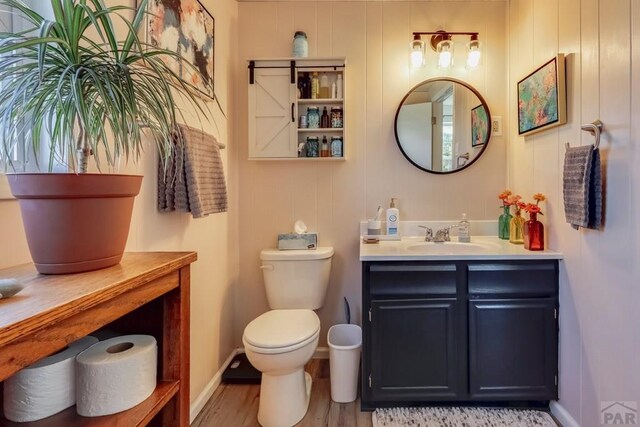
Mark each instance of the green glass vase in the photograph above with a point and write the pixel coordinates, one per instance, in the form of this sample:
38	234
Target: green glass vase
504	222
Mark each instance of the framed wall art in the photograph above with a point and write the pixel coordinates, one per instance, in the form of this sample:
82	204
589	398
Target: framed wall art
185	27
542	99
479	125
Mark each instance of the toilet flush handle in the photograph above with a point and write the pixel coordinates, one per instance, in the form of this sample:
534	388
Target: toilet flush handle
267	266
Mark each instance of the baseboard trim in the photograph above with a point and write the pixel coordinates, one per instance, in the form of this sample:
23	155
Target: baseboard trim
321	353
562	415
210	388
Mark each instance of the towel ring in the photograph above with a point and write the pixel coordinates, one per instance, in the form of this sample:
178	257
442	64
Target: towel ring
595	129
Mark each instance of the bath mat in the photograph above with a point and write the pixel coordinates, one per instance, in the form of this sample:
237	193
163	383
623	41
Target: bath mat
461	417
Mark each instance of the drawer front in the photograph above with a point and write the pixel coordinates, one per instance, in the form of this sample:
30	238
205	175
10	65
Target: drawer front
415	279
536	278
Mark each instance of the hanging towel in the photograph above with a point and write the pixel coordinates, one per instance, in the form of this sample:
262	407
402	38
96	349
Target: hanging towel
582	187
194	180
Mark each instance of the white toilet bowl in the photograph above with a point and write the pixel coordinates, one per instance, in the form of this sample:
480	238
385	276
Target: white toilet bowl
279	343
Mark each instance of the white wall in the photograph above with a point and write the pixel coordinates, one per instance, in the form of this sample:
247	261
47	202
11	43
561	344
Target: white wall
600	278
214	237
333	197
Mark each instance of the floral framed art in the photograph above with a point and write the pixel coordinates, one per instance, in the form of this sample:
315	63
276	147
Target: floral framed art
185	27
542	102
479	126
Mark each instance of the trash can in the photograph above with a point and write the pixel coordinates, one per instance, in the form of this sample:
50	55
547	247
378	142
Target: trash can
345	344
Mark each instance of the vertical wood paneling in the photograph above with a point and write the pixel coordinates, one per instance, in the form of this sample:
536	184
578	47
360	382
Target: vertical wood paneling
562	236
600	272
333	197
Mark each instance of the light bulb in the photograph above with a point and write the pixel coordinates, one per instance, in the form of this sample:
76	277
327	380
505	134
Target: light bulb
474	54
417	53
445	54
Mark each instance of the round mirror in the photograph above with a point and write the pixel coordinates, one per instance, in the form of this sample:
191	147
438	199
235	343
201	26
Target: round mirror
442	125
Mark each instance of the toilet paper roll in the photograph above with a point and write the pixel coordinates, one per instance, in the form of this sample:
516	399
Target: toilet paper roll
46	387
116	374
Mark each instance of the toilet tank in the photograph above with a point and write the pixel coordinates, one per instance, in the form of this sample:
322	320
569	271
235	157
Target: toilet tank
297	278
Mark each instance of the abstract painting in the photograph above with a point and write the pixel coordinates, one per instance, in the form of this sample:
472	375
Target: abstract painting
185	27
542	98
479	126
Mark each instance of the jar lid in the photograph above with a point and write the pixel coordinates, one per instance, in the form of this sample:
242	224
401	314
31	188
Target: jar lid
336	108
300	33
339	138
313	108
313	138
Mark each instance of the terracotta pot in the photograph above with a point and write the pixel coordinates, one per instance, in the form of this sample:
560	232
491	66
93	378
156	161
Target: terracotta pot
75	223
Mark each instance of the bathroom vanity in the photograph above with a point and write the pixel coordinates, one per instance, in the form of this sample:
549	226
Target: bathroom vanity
454	322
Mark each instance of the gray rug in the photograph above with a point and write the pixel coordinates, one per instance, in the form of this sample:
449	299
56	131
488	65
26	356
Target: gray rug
461	417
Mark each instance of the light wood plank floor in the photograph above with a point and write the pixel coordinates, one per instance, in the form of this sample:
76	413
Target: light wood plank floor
236	405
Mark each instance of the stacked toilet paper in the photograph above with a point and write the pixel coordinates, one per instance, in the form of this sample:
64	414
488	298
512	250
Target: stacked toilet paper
101	378
46	387
116	374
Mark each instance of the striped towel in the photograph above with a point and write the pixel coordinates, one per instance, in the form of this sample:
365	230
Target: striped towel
582	187
194	180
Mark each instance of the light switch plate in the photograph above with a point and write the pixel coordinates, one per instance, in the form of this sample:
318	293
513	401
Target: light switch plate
496	126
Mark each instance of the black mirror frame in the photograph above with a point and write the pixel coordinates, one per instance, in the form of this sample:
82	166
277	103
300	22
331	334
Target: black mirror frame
482	101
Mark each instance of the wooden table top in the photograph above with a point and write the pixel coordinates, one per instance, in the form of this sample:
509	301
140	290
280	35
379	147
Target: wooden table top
49	298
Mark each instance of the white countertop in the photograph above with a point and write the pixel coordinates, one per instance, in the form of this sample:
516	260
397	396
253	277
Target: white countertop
480	248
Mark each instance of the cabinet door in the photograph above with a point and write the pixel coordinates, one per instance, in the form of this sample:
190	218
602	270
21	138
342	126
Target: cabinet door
513	347
272	115
414	350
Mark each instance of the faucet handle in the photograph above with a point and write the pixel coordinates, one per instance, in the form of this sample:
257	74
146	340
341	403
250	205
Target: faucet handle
429	233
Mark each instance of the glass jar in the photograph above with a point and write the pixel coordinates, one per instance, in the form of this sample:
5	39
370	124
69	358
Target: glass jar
516	229
313	117
336	117
313	146
533	233
336	146
300	45
504	222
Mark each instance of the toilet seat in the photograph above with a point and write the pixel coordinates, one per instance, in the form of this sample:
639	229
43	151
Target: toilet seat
281	331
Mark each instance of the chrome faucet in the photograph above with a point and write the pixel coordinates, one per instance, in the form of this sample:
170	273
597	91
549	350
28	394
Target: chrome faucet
429	233
442	235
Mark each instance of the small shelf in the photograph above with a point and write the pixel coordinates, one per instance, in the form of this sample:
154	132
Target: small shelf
320	130
321	101
139	415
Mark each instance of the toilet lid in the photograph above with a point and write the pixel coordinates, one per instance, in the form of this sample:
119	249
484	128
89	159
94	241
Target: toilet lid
281	328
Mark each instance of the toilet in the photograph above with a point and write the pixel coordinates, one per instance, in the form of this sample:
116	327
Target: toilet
281	341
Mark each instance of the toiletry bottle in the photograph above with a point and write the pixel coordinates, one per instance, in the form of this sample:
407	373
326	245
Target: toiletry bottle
324	119
324	148
339	87
304	83
325	87
393	218
315	86
464	230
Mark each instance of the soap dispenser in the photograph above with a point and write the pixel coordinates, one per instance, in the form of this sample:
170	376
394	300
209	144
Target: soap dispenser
464	230
393	218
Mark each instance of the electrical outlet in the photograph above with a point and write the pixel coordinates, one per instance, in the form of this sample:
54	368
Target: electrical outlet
496	126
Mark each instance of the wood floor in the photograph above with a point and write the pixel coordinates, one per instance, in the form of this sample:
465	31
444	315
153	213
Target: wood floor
236	405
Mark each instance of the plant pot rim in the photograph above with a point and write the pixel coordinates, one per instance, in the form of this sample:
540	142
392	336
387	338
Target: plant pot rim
70	173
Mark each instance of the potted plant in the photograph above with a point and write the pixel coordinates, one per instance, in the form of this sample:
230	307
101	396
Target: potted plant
88	93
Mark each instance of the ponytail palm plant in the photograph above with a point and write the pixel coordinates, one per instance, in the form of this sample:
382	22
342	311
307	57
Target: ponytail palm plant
88	90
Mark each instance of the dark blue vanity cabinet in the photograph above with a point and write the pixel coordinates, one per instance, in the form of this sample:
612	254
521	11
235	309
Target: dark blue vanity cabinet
459	331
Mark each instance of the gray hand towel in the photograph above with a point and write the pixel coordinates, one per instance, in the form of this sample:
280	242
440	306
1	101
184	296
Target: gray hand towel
194	180
582	187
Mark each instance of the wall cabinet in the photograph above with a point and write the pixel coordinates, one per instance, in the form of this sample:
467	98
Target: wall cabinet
276	104
459	331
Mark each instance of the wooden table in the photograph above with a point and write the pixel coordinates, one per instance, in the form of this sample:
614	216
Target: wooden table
147	293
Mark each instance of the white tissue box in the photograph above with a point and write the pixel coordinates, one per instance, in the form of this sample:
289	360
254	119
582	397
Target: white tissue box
290	241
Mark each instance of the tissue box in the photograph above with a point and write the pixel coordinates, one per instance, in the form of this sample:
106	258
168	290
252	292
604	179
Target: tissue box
297	241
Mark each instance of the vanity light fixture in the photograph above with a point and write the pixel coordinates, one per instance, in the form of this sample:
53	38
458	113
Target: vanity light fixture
442	43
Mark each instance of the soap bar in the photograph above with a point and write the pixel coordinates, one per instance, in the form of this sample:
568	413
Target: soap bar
9	287
292	241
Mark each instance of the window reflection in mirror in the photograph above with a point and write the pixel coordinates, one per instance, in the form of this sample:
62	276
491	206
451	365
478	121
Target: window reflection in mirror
436	124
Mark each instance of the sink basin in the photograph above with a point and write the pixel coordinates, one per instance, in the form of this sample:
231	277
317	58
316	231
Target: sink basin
451	248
